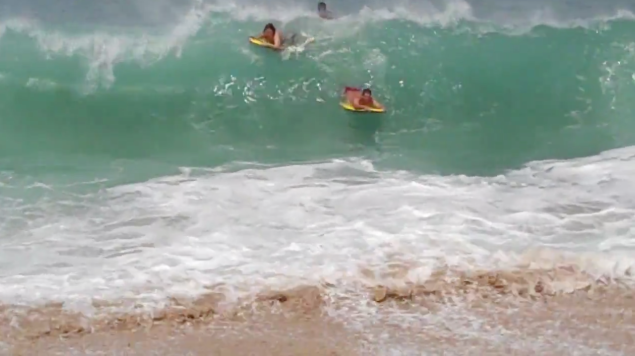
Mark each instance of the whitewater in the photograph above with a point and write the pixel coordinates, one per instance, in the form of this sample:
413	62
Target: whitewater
148	152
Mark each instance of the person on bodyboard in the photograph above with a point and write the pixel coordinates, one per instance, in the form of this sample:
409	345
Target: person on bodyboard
323	12
275	38
361	99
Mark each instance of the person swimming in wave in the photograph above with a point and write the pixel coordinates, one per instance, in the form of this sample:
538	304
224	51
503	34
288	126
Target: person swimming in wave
274	37
323	12
361	99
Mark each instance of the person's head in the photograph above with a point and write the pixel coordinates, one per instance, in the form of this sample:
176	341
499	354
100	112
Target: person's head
367	97
269	30
321	7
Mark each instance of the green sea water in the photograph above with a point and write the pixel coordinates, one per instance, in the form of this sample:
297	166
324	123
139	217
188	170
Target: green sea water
467	98
144	158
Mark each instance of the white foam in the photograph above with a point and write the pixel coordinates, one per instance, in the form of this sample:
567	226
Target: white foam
103	50
280	226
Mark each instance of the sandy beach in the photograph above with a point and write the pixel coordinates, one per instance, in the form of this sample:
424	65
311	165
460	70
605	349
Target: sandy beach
484	315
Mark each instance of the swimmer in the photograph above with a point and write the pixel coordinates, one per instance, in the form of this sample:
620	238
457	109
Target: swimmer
271	36
361	99
323	12
274	37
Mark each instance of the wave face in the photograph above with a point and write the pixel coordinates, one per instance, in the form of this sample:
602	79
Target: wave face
465	95
160	151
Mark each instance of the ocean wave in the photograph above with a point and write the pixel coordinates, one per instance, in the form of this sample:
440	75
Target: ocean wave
550	92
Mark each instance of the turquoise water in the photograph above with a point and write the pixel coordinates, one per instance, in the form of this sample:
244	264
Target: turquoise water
463	98
174	158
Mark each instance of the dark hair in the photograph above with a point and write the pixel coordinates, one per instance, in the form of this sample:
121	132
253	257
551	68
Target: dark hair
367	91
270	26
321	6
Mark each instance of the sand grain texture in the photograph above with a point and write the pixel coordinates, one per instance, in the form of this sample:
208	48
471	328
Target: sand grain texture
481	313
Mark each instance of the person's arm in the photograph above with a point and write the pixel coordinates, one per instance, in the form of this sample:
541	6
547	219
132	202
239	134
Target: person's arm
377	104
357	105
276	40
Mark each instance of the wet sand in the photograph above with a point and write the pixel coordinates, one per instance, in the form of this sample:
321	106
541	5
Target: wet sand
482	315
267	337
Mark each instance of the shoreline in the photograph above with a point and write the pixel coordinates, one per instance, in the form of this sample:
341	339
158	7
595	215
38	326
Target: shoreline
488	314
573	324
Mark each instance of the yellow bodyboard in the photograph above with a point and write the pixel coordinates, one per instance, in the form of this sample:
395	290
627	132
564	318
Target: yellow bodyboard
259	42
262	43
347	106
